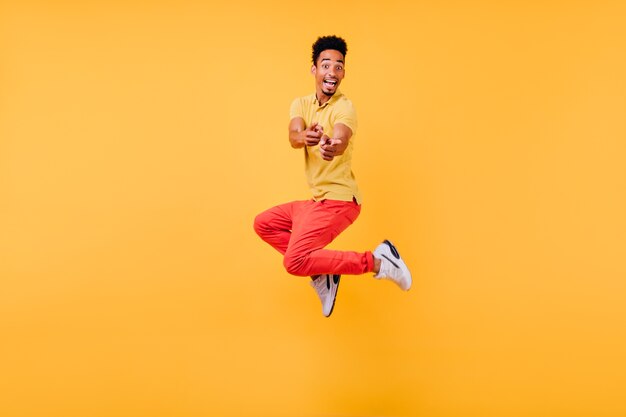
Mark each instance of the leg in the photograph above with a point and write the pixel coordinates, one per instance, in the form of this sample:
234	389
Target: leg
274	225
316	225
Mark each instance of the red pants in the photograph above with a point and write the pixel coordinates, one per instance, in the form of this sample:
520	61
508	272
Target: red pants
301	229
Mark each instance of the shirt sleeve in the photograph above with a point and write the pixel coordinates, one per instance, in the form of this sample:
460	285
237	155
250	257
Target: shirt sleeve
296	109
346	114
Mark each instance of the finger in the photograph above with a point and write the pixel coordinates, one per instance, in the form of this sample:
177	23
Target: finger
326	155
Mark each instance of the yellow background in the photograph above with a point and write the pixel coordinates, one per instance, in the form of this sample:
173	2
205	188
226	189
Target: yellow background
139	139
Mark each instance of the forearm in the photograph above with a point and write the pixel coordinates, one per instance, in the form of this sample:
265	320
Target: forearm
297	132
297	138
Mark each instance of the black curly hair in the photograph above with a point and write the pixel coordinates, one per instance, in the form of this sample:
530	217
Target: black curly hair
329	42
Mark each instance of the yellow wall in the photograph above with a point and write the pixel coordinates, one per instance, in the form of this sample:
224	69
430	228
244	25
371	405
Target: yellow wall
139	139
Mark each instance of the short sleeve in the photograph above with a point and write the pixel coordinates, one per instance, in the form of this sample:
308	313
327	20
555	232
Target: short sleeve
346	114
296	109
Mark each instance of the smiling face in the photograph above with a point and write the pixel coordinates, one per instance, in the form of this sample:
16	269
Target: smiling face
328	71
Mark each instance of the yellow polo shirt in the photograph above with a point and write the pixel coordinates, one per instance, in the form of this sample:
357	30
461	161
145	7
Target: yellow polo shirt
332	180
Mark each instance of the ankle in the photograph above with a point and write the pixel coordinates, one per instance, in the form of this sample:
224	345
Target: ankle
376	265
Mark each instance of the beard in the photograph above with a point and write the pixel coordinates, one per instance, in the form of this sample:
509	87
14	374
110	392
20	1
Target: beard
328	93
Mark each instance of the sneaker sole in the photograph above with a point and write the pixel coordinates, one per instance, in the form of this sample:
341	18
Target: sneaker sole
335	297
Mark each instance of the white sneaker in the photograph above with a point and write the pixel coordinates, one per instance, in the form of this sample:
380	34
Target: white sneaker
392	266
326	286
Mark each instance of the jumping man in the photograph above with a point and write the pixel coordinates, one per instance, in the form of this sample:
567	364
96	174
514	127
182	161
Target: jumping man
324	125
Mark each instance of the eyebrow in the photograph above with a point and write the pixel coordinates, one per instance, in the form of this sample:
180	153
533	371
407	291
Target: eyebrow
328	59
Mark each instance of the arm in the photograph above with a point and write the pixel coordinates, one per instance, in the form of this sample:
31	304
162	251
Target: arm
300	135
331	147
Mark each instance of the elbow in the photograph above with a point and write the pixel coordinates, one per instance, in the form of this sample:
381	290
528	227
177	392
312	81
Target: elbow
295	144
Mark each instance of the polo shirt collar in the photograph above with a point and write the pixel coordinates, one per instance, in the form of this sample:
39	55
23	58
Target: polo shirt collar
334	98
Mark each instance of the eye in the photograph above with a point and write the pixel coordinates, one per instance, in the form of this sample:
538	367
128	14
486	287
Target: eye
326	66
339	67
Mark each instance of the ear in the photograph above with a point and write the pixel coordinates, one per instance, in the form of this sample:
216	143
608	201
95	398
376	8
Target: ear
313	69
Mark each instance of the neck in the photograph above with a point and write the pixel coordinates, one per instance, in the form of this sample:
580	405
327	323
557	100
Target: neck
321	97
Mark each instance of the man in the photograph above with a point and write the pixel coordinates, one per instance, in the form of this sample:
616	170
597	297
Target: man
324	125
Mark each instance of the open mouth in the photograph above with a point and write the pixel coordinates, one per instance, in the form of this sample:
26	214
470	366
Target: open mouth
330	84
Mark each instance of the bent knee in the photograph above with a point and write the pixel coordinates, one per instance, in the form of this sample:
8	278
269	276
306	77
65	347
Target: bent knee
295	265
260	224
